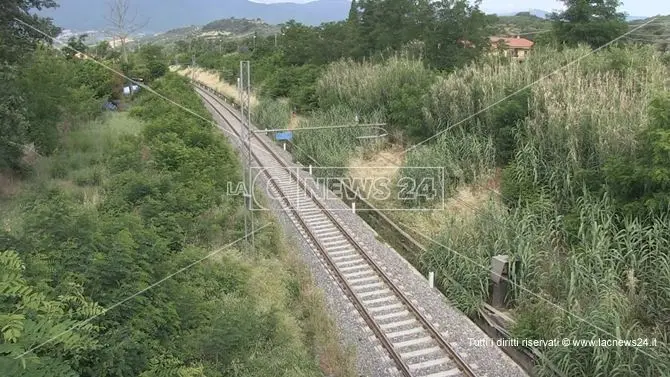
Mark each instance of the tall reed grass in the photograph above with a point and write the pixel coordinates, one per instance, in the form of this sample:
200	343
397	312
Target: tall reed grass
271	113
588	274
576	117
333	148
612	283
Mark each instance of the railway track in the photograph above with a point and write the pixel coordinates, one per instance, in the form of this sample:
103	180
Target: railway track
416	347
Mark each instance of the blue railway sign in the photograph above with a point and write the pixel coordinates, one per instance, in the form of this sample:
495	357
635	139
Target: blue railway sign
288	135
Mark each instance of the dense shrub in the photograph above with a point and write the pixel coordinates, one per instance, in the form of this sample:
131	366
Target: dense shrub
395	88
296	83
641	182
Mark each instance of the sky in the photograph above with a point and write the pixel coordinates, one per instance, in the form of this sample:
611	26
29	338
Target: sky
632	7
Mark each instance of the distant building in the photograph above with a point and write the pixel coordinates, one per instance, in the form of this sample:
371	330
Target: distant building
516	48
117	42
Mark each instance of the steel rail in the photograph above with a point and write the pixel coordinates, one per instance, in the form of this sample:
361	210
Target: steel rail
426	324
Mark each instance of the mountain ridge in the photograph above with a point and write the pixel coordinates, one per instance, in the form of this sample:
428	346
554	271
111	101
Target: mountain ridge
164	15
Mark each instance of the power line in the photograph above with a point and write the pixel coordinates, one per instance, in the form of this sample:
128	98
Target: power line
649	41
652	35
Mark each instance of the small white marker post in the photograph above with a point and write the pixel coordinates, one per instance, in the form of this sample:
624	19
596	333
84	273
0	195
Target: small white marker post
431	279
353	207
284	145
310	169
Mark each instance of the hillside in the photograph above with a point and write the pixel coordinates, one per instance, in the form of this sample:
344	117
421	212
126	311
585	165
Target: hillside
219	29
533	21
656	33
237	26
524	23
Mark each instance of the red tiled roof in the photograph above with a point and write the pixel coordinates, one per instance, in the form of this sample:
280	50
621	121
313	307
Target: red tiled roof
513	42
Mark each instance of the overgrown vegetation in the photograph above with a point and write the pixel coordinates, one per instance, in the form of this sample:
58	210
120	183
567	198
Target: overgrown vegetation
569	145
394	89
45	91
288	64
119	253
120	209
581	140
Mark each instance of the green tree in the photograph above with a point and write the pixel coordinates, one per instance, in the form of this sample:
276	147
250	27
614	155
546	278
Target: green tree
102	50
75	45
354	16
299	43
58	93
28	318
352	43
595	22
460	34
45	81
385	24
16	41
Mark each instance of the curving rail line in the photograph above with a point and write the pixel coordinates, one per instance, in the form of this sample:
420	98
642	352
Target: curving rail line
413	343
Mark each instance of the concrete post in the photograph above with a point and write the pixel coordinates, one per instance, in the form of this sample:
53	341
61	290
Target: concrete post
500	265
284	145
353	207
310	169
431	279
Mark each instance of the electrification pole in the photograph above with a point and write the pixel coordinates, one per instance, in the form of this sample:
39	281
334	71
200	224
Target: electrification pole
193	67
245	107
246	184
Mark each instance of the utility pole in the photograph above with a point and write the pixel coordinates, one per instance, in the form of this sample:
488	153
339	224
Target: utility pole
275	40
193	67
246	185
245	102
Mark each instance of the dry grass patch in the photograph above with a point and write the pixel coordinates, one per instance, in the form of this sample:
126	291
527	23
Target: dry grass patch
379	164
460	209
213	80
295	121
